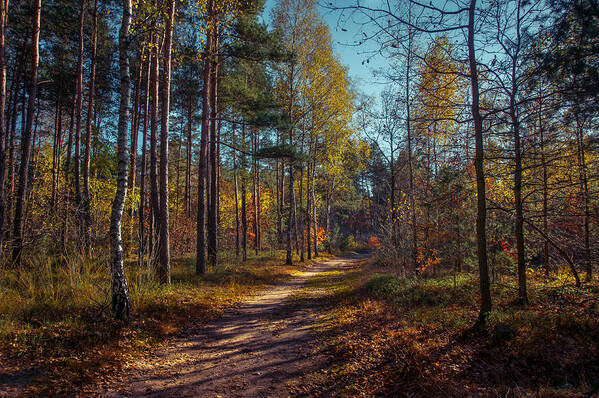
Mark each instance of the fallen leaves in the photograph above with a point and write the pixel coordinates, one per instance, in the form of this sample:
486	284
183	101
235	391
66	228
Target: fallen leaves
405	346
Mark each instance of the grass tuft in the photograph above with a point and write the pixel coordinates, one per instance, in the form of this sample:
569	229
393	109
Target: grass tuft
55	313
394	335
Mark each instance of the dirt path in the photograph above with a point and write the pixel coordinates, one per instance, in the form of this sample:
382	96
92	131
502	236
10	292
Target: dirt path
261	349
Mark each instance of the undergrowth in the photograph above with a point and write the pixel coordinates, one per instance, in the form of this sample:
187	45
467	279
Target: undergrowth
55	313
393	335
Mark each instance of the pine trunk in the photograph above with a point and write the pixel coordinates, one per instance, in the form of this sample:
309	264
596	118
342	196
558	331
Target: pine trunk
154	201
56	143
187	194
244	217
144	161
203	166
77	135
3	127
178	168
213	205
255	189
289	254
26	137
236	185
164	270
136	114
88	137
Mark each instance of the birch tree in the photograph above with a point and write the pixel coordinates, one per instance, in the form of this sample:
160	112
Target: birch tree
120	289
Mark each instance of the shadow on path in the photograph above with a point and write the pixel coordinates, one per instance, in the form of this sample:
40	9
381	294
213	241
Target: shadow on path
262	348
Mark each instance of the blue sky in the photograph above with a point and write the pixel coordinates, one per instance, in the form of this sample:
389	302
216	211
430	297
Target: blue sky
351	56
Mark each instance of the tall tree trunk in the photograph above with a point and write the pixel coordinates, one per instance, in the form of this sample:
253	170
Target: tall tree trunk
203	166
584	190
57	141
295	223
519	227
164	270
187	194
136	112
428	188
314	218
67	164
26	136
213	208
258	200
3	127
519	231
34	153
88	136
144	162
481	199
302	214
244	216
309	207
154	201
278	194
236	185
545	188
178	168
410	161
289	258
255	188
11	143
120	290
77	137
11	140
282	200
218	178
394	237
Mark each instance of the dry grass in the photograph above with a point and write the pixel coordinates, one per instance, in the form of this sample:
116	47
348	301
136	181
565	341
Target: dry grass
55	314
397	336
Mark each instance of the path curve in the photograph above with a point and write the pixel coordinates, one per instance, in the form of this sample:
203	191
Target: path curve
260	349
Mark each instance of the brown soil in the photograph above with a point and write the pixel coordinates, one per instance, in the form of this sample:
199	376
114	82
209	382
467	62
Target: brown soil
262	349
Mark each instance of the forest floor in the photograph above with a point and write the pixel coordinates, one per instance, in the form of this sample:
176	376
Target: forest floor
348	327
57	336
345	327
391	334
263	348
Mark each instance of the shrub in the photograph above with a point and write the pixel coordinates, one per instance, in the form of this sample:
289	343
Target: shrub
373	243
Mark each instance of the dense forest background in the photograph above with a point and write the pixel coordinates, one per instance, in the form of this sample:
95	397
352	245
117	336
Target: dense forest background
489	120
257	122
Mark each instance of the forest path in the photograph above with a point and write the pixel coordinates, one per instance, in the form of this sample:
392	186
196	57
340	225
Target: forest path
261	349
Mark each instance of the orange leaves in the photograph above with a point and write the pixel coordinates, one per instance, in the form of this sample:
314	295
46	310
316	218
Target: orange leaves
426	259
321	234
373	243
